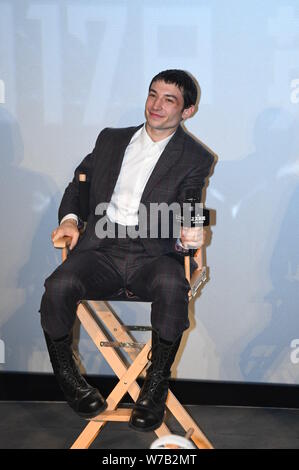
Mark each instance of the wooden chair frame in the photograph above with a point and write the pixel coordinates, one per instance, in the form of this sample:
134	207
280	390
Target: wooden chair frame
98	318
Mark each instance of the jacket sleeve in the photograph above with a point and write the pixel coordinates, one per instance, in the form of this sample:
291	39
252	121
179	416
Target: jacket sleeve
195	180
70	200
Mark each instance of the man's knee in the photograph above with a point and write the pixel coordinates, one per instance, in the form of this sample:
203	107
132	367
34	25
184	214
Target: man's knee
170	281
60	284
58	303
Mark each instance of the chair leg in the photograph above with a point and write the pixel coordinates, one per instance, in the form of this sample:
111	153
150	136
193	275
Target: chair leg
128	384
185	420
127	377
109	318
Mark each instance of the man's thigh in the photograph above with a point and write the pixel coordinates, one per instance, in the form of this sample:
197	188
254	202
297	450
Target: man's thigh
91	273
164	273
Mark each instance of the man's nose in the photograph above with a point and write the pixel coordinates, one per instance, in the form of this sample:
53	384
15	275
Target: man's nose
157	103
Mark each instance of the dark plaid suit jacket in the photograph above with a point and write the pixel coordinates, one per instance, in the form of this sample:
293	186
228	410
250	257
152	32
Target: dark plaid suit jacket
183	165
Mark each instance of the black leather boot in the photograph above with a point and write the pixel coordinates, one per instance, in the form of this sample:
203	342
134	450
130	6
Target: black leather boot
82	398
148	412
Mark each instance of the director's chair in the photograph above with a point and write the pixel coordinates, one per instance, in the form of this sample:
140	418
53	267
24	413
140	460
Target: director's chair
110	335
102	324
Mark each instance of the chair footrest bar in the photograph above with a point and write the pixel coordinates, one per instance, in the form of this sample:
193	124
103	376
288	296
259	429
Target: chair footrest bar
136	328
120	344
120	414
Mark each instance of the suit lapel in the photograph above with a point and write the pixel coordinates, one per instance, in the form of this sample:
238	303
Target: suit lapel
168	158
117	158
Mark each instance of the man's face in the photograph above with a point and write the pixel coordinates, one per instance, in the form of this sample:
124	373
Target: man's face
164	106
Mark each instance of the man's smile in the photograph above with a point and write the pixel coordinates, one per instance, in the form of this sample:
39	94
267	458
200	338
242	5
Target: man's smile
155	115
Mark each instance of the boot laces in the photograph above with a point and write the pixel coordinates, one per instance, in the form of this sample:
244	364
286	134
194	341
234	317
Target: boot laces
159	355
73	376
156	374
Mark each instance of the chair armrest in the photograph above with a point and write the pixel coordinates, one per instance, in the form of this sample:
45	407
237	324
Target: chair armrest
199	275
198	278
62	242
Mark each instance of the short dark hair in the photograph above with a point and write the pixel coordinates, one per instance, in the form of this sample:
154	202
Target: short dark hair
181	79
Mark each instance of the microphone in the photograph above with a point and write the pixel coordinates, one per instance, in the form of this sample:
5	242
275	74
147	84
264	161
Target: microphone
193	214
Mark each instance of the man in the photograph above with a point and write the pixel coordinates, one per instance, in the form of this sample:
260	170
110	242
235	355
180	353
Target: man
152	163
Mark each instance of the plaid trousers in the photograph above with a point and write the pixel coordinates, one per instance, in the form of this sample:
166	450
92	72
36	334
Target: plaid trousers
119	264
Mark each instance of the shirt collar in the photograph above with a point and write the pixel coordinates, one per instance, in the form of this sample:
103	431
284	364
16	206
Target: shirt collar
146	139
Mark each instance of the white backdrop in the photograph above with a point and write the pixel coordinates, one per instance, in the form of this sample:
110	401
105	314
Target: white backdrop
69	69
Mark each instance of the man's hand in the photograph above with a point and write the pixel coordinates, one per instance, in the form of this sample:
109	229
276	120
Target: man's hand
67	229
193	237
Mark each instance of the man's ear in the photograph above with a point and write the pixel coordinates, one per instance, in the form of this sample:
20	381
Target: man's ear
188	112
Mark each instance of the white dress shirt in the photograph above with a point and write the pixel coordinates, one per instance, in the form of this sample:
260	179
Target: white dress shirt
140	158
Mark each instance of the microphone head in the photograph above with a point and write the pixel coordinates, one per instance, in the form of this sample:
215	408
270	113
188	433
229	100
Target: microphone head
192	195
193	213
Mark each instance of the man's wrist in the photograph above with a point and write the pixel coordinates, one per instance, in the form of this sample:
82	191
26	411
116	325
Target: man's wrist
77	222
70	217
69	221
179	247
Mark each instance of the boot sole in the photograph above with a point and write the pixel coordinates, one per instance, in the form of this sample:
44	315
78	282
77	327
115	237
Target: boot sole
148	429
